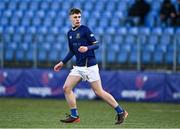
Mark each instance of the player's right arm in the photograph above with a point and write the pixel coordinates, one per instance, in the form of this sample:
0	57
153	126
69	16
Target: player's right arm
70	54
58	66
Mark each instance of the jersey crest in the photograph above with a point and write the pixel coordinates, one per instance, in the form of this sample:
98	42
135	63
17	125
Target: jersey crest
78	36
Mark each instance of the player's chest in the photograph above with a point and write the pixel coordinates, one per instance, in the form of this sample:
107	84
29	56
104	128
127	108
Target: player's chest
77	37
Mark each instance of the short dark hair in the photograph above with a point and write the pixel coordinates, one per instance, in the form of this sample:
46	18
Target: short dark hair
74	11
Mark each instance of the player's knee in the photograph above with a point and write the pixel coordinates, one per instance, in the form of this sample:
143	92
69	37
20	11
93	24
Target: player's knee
99	93
66	89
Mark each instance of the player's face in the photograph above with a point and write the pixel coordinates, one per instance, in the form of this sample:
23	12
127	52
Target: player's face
76	19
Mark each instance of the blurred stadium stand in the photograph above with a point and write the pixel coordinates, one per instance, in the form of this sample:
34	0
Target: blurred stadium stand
34	32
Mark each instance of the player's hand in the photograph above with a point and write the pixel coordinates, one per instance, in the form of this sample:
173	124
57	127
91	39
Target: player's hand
58	66
83	49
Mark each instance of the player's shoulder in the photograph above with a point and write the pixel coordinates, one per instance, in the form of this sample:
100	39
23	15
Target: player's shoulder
69	31
84	27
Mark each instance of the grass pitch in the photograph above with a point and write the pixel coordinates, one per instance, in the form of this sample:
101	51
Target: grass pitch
46	113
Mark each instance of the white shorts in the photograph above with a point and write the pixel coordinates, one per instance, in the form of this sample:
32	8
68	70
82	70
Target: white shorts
89	74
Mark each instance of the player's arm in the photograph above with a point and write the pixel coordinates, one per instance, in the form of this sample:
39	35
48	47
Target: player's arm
68	57
94	46
83	49
58	66
70	54
92	40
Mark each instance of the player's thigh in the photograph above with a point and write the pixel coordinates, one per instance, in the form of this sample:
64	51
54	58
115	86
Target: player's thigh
97	86
71	81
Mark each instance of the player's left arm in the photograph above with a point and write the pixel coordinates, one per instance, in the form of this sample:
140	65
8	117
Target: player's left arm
83	49
95	45
92	40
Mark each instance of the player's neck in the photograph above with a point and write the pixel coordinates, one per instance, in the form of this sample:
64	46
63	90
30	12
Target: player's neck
75	27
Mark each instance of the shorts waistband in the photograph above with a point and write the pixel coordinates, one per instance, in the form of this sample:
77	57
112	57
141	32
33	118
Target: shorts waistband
85	65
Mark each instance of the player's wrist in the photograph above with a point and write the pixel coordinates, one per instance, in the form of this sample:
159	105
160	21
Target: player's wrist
61	62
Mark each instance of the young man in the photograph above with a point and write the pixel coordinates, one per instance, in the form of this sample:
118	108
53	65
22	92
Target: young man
82	44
